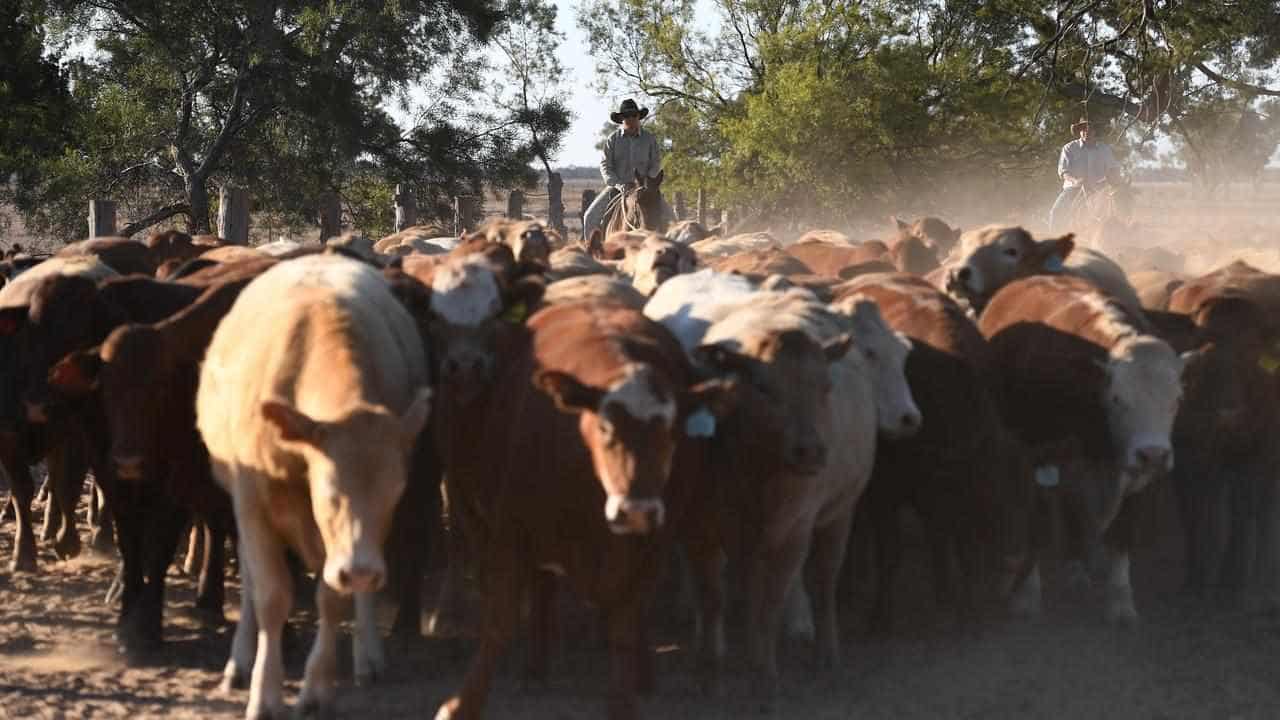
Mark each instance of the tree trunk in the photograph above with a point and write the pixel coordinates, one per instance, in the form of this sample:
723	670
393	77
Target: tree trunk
198	201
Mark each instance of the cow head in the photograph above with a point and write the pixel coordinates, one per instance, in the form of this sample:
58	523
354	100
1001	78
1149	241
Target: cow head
658	260
631	429
884	352
996	256
785	389
939	236
912	255
353	480
687	232
530	241
1141	394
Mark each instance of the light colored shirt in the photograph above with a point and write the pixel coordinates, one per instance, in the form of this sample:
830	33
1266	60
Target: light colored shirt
624	155
1090	163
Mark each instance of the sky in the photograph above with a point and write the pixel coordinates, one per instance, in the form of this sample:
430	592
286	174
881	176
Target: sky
589	109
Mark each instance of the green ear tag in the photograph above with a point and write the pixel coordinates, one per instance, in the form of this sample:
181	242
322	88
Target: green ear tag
516	313
1269	363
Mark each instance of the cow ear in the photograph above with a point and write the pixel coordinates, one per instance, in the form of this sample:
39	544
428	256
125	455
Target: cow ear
657	179
76	375
12	319
1049	255
294	426
719	396
569	395
415	417
898	224
836	347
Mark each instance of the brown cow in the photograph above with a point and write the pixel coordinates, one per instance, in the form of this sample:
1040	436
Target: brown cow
828	259
1156	287
123	255
964	473
1225	431
935	233
592	411
1082	370
768	261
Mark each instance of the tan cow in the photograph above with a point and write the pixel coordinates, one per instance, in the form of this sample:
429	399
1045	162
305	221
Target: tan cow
715	248
594	287
989	258
529	240
656	260
312	395
935	233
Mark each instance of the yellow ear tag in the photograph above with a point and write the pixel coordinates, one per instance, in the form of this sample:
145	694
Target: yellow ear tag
516	313
1269	363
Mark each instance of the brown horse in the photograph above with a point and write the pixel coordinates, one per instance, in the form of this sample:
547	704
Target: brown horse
638	207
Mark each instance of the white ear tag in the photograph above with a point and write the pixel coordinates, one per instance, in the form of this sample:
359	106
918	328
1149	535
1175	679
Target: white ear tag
1047	476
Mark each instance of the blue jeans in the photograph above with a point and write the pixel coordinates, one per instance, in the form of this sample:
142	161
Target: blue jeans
1062	207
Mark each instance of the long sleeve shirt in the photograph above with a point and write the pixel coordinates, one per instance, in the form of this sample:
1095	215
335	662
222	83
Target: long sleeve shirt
624	155
1089	163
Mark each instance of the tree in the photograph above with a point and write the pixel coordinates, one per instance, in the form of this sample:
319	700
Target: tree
530	84
193	92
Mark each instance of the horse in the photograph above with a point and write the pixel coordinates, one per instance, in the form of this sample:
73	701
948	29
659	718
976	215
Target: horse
638	207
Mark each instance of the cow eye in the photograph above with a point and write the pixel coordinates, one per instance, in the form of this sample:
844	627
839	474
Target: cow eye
1011	252
869	353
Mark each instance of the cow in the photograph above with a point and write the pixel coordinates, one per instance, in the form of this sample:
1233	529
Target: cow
766	261
830	237
688	232
1082	372
599	287
1155	287
828	259
936	234
311	398
123	255
426	239
22	442
989	258
530	241
656	260
1223	435
801	436
964	473
714	248
174	245
575	478
571	261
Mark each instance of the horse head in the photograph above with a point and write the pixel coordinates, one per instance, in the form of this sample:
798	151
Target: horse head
646	211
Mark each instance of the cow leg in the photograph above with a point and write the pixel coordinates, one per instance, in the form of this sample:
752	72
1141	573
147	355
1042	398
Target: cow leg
195	535
52	514
410	532
888	552
507	579
130	524
1193	508
1120	539
24	545
708	570
777	566
826	558
368	654
211	593
272	594
67	467
103	523
1074	518
319	680
160	537
542	620
244	643
624	647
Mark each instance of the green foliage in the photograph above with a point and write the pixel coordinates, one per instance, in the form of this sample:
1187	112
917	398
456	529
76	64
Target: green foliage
845	109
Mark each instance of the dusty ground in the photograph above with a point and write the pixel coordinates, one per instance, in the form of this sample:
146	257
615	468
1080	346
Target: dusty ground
1184	661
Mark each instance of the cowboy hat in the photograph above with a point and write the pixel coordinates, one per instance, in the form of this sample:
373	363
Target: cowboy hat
1081	123
628	107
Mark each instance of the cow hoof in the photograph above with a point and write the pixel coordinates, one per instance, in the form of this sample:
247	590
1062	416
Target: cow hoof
317	709
67	546
233	678
449	710
23	564
368	669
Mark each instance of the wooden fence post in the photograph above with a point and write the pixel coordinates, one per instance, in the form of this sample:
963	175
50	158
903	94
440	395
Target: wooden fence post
555	203
464	213
588	197
233	215
406	208
679	206
330	217
702	208
515	205
102	218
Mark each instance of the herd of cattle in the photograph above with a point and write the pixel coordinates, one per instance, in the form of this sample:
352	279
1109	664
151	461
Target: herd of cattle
585	414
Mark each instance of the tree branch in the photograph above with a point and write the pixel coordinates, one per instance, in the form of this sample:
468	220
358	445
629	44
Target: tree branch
1235	84
164	213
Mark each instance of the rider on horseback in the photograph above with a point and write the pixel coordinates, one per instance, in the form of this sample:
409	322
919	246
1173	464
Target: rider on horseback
1085	164
630	152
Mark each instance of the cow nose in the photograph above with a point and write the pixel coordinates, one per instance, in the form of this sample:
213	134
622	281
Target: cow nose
963	274
128	467
911	422
807	457
627	516
1153	457
359	578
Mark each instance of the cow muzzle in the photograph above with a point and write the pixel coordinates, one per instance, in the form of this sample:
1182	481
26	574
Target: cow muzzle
128	467
807	457
1149	459
354	574
627	516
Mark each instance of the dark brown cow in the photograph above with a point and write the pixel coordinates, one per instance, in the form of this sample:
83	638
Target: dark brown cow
965	474
172	245
592	411
123	255
1080	370
1225	431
